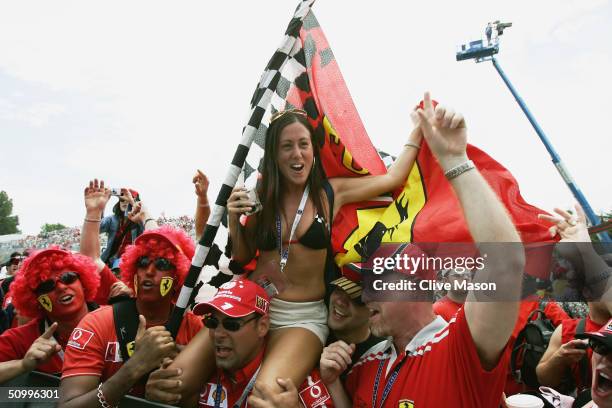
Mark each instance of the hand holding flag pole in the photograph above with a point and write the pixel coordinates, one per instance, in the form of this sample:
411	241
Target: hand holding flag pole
260	104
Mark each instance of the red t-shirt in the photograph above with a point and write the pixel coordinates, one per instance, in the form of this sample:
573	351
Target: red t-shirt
107	279
440	368
553	312
93	348
14	344
568	332
312	392
446	308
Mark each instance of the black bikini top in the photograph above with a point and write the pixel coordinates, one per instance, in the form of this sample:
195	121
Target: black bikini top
315	237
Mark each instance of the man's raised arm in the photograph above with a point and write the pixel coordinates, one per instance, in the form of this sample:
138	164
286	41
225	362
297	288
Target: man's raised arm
490	323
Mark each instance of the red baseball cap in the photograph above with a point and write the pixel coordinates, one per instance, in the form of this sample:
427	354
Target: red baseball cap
603	335
237	298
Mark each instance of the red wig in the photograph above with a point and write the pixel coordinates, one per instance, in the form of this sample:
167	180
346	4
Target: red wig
165	242
43	265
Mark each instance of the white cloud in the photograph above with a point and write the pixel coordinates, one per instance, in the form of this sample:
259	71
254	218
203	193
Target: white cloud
163	88
36	114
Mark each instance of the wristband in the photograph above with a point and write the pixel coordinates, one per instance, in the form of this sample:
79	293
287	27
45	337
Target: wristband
101	398
92	219
204	205
459	170
410	144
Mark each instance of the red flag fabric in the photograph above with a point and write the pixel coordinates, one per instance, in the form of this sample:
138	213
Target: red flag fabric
426	208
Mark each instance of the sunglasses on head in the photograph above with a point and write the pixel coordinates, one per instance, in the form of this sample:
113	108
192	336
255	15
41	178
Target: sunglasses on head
229	324
161	264
47	286
599	347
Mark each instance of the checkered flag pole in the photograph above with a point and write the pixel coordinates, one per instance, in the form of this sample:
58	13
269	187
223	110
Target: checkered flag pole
260	110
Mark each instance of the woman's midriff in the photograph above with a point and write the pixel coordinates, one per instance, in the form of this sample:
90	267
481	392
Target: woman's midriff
303	274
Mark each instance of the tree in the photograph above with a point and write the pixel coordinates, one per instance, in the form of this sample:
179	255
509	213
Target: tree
47	228
8	222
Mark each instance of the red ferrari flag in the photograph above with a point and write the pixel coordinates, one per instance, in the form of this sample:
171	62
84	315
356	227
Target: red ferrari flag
426	209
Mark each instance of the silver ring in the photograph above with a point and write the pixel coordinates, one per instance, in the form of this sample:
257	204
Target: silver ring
572	222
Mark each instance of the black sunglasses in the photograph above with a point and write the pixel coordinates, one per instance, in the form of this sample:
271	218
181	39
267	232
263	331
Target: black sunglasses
162	264
47	286
16	260
229	324
599	347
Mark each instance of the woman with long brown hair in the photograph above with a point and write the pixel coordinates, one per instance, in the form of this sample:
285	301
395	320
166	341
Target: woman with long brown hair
291	235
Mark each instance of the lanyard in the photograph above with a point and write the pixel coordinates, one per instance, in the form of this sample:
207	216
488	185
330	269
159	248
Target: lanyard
389	384
284	253
245	392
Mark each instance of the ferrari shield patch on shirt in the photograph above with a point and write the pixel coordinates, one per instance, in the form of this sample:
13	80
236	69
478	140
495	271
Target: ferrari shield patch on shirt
45	302
406	404
165	285
130	348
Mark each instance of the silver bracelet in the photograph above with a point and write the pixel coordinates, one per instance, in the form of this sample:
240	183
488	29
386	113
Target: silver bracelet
410	144
459	169
102	400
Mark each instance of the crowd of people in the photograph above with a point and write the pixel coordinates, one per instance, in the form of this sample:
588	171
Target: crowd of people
292	330
70	237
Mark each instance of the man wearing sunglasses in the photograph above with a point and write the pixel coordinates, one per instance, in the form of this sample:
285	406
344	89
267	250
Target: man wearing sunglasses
53	289
601	344
238	321
107	358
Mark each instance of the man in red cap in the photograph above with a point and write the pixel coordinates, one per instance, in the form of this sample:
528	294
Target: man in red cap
601	344
114	347
53	289
238	321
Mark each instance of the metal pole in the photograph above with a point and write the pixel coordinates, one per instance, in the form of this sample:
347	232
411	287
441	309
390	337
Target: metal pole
563	171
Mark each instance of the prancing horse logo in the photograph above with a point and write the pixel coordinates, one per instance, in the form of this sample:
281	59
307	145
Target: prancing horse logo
165	285
45	302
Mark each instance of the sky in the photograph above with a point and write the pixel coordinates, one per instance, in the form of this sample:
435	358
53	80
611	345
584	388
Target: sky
142	93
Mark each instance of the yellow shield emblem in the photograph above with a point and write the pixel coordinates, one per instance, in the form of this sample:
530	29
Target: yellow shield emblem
165	285
45	302
130	348
406	404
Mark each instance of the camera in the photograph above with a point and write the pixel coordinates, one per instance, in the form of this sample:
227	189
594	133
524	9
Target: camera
116	192
254	199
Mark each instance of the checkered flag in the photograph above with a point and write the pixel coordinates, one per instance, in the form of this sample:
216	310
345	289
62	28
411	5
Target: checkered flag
282	73
386	158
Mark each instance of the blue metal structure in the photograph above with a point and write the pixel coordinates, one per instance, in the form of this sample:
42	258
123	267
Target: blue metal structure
480	52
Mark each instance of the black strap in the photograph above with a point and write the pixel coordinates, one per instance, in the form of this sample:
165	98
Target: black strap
126	325
584	361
